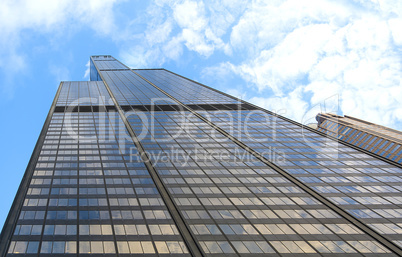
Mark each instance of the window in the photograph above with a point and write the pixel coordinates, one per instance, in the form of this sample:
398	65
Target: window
96	247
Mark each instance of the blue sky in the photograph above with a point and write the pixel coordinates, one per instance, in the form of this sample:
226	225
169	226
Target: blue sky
295	57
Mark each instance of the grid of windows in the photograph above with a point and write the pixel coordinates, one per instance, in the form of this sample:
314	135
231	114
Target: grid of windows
129	89
242	204
87	196
184	90
92	192
83	93
366	187
110	65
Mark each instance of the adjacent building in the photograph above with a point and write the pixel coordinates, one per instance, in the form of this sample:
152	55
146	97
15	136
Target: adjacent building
378	139
145	162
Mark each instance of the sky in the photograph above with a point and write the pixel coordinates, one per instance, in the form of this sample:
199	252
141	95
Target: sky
294	57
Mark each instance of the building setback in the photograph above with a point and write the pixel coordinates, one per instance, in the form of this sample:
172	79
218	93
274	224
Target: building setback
145	162
372	137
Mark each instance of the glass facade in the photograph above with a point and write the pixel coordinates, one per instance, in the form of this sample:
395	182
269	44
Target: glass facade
149	163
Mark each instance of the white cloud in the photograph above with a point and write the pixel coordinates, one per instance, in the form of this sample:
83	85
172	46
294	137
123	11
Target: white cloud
266	23
320	50
174	27
140	57
395	26
50	16
173	48
279	67
46	17
194	41
160	33
291	105
190	15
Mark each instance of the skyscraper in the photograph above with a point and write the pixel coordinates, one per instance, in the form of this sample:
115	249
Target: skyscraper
372	137
146	162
